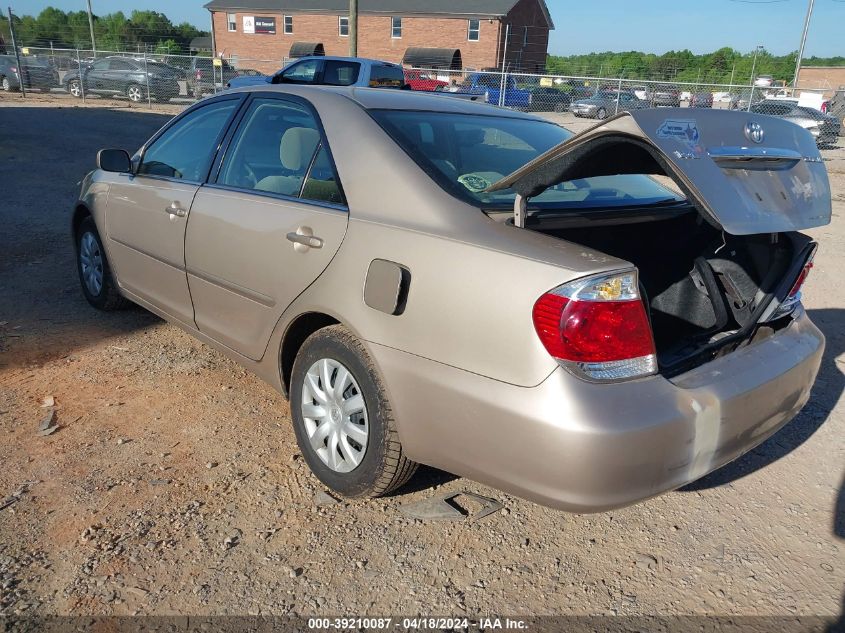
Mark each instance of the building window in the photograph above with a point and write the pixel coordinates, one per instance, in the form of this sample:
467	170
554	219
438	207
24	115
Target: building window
343	26
396	27
232	19
288	24
473	30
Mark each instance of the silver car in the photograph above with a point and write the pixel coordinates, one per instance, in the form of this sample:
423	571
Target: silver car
449	283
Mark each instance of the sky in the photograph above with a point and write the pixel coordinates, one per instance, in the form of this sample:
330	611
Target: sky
618	25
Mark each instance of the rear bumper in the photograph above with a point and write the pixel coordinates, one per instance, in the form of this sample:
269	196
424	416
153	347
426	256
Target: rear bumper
586	447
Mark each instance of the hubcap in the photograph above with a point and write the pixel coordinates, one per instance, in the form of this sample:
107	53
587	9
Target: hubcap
6	84
74	89
135	93
335	415
91	263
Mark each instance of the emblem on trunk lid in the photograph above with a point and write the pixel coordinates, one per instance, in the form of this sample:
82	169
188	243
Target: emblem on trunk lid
754	132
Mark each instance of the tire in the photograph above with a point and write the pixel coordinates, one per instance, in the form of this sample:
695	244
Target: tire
601	114
74	88
381	465
91	264
561	107
135	93
6	84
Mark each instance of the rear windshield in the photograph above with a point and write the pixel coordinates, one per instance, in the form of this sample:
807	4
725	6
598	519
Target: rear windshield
466	153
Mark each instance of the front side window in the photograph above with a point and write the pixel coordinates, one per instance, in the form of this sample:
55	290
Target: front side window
465	154
473	30
301	73
185	150
232	21
343	26
396	27
272	149
288	24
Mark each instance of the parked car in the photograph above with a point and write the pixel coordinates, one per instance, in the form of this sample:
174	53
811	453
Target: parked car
331	71
605	103
544	99
666	96
490	86
701	100
37	73
422	80
381	326
825	128
203	77
124	76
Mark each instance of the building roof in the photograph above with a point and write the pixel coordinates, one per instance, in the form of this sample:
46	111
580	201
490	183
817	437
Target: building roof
486	8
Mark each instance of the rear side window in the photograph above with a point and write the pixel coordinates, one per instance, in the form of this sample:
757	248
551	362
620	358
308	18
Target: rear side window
185	150
273	148
340	73
386	77
321	183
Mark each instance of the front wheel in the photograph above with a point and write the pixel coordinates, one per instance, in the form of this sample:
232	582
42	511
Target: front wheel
74	88
98	285
342	419
561	107
601	114
6	84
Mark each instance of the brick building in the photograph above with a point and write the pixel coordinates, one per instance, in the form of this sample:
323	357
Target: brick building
469	34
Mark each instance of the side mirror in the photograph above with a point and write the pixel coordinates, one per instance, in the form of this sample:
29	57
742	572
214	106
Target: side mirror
116	160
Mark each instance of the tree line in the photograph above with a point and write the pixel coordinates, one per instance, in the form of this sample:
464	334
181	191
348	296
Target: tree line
141	31
723	66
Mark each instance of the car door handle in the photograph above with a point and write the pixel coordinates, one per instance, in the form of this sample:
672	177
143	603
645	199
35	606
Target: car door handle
303	238
175	210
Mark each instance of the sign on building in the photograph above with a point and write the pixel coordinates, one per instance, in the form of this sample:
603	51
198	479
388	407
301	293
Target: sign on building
265	25
253	25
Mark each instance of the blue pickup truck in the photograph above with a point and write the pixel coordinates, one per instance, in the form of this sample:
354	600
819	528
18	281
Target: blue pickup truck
331	71
490	85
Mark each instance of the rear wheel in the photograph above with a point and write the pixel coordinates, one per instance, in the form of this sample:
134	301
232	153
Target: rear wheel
135	93
601	113
6	84
343	422
74	88
94	272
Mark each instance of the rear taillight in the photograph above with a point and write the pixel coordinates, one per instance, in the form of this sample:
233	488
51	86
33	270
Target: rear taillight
794	296
597	326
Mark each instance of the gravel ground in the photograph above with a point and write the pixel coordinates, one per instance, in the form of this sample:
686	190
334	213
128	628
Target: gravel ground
173	484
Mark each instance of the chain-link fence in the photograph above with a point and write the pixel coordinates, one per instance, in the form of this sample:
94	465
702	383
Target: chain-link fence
153	80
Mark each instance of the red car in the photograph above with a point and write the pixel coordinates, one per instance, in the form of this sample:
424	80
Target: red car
422	80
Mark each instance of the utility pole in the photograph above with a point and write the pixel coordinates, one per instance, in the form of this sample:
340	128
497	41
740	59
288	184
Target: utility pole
17	55
803	43
353	28
91	28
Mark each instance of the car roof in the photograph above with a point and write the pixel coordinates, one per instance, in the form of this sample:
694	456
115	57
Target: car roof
393	99
364	60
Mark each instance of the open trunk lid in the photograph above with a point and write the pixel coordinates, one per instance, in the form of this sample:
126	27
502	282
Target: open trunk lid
746	173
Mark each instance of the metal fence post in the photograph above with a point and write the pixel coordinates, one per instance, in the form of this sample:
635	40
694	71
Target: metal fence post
618	94
750	98
147	75
17	55
79	74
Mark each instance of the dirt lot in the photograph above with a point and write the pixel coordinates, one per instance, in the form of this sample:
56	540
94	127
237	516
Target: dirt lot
173	484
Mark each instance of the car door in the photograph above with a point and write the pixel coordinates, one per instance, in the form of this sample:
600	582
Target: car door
148	209
96	77
117	77
257	237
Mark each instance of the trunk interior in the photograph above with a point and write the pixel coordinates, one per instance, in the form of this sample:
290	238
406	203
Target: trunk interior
704	289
